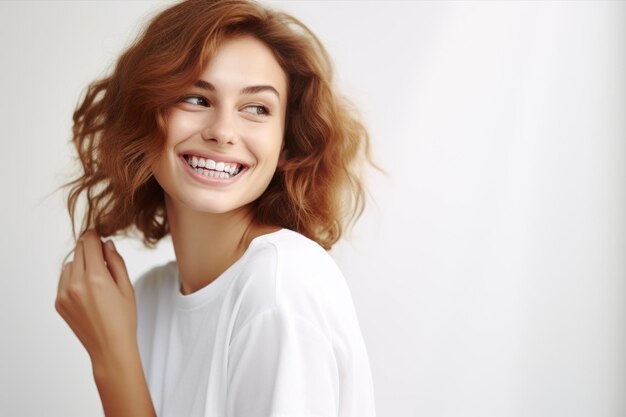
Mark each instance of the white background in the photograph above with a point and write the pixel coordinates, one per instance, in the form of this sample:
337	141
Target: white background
489	273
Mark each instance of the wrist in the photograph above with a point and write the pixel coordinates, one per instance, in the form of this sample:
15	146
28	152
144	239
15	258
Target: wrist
115	361
121	384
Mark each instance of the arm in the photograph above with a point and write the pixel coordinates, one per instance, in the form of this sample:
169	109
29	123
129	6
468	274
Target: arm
96	299
122	386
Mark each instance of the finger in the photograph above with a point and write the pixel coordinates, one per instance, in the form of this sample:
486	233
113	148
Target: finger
59	304
94	260
64	276
117	266
78	264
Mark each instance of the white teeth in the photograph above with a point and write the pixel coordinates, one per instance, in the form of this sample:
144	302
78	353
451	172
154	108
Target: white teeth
212	173
213	169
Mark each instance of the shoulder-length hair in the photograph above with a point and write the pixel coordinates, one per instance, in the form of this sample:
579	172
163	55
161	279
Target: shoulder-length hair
120	126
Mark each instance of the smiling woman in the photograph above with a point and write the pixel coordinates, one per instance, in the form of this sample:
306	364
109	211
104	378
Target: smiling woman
242	75
219	126
230	137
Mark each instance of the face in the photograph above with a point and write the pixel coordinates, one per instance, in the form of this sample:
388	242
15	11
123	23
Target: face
224	137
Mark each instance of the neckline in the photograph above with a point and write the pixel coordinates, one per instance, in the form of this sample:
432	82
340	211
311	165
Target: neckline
207	293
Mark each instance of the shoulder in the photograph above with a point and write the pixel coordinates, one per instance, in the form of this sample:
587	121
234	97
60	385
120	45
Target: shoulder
294	254
292	263
304	266
285	271
288	240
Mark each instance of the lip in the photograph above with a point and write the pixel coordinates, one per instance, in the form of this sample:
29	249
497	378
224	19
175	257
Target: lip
210	180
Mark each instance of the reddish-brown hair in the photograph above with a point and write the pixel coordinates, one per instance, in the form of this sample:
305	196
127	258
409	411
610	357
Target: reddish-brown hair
120	126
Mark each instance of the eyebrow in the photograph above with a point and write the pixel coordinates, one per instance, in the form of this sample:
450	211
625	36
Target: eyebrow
252	89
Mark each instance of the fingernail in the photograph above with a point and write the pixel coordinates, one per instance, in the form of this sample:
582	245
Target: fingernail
109	244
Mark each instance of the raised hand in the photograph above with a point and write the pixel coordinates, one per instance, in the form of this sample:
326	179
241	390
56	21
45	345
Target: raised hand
96	299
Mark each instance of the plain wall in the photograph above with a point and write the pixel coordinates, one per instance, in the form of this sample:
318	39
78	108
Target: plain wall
488	271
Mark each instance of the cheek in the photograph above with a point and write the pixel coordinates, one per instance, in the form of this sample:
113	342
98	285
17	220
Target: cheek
272	153
181	125
265	145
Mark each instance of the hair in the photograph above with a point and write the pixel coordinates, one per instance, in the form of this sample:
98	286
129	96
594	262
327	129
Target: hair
120	125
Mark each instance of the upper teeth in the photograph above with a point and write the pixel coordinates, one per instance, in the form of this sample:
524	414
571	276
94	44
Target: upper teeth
229	167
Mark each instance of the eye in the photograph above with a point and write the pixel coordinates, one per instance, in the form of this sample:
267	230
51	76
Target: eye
257	110
195	100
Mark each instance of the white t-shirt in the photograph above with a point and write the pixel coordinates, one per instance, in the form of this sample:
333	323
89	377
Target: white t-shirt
275	335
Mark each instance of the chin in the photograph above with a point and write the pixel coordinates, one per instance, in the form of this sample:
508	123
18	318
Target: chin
216	206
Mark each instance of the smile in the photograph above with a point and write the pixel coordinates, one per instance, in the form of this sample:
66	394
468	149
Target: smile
211	168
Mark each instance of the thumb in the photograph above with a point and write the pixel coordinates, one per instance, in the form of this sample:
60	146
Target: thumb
117	267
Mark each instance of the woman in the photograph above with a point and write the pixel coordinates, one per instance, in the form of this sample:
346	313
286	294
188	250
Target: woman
221	128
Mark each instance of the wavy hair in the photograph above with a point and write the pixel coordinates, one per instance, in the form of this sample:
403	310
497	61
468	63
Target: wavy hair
119	128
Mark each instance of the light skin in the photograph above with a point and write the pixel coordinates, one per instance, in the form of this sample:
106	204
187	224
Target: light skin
210	220
211	226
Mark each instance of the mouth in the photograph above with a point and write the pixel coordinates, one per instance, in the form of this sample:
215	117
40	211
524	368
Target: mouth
213	169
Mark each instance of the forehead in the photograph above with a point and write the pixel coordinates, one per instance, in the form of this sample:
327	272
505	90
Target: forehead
243	61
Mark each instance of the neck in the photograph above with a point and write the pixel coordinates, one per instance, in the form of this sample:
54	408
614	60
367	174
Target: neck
207	244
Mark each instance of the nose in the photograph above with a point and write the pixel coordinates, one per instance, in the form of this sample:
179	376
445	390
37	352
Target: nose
219	128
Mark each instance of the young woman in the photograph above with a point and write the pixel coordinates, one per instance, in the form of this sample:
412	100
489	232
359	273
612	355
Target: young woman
220	127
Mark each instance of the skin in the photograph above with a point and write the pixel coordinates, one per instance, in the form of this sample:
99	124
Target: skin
96	300
211	225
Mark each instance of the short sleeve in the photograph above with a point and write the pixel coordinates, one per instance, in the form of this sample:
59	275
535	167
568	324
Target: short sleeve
281	365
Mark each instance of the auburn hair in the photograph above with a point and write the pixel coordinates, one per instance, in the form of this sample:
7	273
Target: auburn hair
120	125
